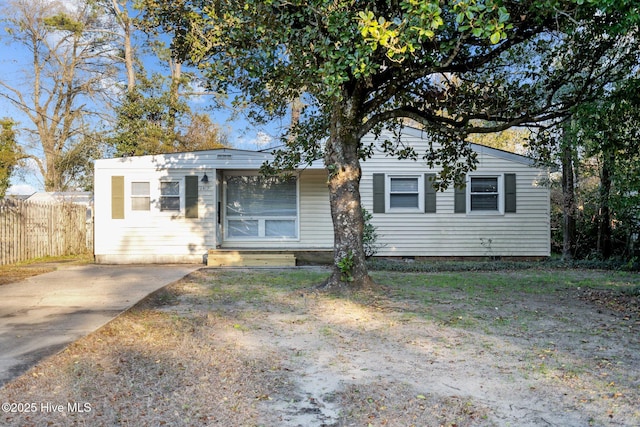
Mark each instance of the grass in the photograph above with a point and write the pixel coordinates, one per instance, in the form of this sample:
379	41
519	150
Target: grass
234	348
33	267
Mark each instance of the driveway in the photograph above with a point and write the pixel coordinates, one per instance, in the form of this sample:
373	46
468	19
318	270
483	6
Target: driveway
41	315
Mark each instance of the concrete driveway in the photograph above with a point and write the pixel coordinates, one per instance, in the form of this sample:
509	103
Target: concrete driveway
41	315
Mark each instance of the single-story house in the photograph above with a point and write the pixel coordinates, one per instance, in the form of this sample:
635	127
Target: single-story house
79	197
179	207
51	197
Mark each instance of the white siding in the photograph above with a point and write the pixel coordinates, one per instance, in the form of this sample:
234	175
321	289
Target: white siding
316	226
155	236
445	233
152	236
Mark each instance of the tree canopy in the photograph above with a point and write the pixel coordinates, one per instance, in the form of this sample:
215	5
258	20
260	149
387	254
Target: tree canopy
84	86
607	132
69	69
455	67
9	153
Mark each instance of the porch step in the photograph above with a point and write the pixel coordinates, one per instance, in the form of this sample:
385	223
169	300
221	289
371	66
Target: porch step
241	258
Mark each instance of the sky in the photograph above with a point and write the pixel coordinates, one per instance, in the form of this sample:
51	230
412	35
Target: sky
14	63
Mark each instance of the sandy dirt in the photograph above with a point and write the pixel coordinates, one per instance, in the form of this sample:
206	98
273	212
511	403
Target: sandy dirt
193	355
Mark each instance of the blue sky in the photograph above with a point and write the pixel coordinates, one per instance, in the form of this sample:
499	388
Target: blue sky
14	63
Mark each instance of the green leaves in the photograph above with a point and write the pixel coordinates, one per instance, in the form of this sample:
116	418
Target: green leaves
422	20
9	153
379	32
486	19
64	22
402	34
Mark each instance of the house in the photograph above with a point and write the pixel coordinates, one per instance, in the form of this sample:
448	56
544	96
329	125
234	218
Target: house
80	197
180	207
51	197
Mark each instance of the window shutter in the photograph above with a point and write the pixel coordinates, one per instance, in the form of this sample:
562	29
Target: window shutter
460	200
510	192
429	193
191	197
117	197
378	193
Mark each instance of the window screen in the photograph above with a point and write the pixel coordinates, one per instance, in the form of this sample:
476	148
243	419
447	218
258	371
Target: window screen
170	196
261	207
484	193
404	193
140	199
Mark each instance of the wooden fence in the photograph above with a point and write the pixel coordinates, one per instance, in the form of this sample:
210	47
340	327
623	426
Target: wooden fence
30	230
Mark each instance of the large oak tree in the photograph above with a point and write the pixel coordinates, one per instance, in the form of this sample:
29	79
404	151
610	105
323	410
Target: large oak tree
69	66
453	66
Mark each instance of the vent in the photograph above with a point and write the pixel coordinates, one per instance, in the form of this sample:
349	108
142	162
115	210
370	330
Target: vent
223	156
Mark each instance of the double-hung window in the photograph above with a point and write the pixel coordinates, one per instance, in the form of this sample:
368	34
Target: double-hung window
169	196
405	193
484	193
487	194
258	207
140	196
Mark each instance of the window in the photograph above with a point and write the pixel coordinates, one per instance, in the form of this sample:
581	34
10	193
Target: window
261	208
488	194
408	193
484	193
169	196
405	193
140	199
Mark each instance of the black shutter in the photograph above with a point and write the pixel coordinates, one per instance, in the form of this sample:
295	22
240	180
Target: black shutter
191	197
378	193
510	192
429	193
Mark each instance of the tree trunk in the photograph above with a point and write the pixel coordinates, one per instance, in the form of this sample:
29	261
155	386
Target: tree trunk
604	220
174	95
568	204
128	55
121	14
296	109
51	175
343	164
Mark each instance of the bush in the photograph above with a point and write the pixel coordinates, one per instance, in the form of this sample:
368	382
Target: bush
386	264
369	235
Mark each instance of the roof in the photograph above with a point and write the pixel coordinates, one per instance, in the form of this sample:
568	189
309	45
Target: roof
82	197
233	158
220	158
482	149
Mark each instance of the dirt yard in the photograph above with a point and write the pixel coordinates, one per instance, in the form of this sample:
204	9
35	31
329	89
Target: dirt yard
260	348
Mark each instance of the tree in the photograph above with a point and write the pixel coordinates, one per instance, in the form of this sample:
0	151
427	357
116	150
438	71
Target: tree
70	65
609	130
513	140
568	153
9	154
202	134
151	120
153	115
145	120
591	129
555	148
451	66
119	9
